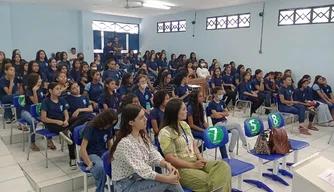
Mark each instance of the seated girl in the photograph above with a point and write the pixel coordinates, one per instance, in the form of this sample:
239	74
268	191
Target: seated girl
111	99
219	113
97	60
180	149
133	157
259	88
62	81
152	66
269	82
162	62
278	77
33	67
182	90
319	95
55	116
160	100
246	93
165	84
229	87
196	118
288	105
63	68
172	64
328	90
288	73
237	76
94	89
79	105
42	60
202	71
9	89
75	72
127	85
84	76
95	142
217	81
158	79
112	72
51	70
33	95
143	93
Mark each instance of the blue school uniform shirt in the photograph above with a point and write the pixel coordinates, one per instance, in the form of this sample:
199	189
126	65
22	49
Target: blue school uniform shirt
97	139
254	83
153	65
228	79
50	74
75	103
95	91
237	76
82	87
278	83
29	93
181	90
219	107
115	75
114	101
157	115
25	79
327	90
54	110
245	87
190	112
300	95
286	92
75	75
43	65
173	64
162	63
269	83
218	81
5	83
315	88
309	92
233	71
125	89
143	97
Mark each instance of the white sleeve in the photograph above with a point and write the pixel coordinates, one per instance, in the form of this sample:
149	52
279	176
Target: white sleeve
199	72
155	156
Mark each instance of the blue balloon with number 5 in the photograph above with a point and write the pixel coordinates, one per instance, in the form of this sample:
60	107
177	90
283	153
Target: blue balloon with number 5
253	126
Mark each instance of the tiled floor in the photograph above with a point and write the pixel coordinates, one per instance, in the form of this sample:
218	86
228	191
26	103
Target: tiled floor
13	159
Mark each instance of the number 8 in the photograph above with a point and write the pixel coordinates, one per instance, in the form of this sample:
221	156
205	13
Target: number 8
274	117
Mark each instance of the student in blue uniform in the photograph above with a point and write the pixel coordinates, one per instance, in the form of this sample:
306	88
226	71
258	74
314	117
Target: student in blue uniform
33	95
219	113
94	89
42	60
111	99
319	95
229	87
63	59
269	82
288	73
259	88
172	64
4	62
158	78
196	119
127	84
9	89
237	76
152	66
160	100
84	76
182	91
62	81
278	77
165	84
96	141
97	60
288	105
23	70
143	94
79	105
33	67
75	72
16	60
327	90
233	69
63	68
55	116
112	72
51	70
246	92
162	62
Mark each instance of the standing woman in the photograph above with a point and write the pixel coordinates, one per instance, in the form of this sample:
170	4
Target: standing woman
42	60
180	149
96	141
133	156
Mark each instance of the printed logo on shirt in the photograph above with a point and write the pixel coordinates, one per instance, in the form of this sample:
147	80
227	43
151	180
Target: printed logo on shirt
146	97
42	94
84	101
117	75
222	106
105	137
61	108
46	64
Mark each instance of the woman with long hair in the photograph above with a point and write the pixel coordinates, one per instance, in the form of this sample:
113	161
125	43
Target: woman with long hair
133	156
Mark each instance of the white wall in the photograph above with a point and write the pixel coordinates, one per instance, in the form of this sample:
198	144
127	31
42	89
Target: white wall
33	27
304	49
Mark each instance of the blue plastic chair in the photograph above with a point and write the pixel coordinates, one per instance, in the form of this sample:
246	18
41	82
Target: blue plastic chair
18	102
253	127
77	139
217	136
2	108
107	169
208	114
45	133
276	120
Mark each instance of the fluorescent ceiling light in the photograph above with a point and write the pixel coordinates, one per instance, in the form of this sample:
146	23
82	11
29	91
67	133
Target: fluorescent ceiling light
156	5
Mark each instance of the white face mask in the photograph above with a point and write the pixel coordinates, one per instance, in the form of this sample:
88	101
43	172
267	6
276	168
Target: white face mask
202	64
144	86
94	68
139	56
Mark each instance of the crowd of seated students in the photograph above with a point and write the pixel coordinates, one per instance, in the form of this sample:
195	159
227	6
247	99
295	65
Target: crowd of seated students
134	88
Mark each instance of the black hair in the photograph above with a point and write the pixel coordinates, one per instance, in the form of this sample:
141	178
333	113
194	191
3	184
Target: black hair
22	64
51	86
198	110
128	99
172	56
32	80
164	75
73	64
106	91
38	56
306	76
216	90
125	78
104	120
61	65
179	77
316	79
30	64
190	57
62	55
158	79
159	98
239	68
172	110
73	48
106	67
257	71
301	82
13	58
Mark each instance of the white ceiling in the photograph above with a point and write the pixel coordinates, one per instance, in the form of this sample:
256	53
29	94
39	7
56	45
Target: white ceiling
115	7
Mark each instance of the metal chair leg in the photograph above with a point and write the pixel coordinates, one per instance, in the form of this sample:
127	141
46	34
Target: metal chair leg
46	152
238	145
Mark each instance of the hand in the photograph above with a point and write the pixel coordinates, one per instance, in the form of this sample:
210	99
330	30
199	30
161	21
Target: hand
199	164
172	179
65	124
60	123
36	87
172	169
262	80
255	95
95	105
295	102
84	79
11	77
188	92
76	113
206	124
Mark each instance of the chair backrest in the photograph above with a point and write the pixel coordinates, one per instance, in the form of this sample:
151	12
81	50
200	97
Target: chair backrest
276	120
19	101
215	136
106	163
35	110
77	138
253	126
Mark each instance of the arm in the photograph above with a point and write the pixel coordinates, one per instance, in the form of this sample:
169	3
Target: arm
105	106
269	88
9	89
287	102
155	126
260	87
45	119
34	98
192	125
322	96
199	73
178	163
218	115
67	117
83	152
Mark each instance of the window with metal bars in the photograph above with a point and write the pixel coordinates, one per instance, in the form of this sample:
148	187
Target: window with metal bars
171	26
306	15
228	21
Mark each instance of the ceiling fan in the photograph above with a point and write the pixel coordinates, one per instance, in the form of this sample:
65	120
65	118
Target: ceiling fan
127	6
141	4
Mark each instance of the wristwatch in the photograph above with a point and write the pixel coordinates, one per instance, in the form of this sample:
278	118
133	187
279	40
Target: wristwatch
89	167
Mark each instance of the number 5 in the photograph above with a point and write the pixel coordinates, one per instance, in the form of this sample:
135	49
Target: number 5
252	123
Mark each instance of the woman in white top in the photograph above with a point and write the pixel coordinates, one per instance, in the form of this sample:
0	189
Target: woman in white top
202	71
133	156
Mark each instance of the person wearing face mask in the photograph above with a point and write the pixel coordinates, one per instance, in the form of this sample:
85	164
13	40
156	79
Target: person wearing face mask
80	57
143	94
202	71
219	112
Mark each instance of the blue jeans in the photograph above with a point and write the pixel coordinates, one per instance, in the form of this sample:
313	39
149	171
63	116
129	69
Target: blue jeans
199	135
98	172
135	183
294	109
27	116
8	99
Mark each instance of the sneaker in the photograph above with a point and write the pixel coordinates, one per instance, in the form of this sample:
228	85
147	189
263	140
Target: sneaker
64	135
73	164
231	155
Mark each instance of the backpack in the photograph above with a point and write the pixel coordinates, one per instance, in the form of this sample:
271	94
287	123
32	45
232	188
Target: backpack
278	141
261	146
